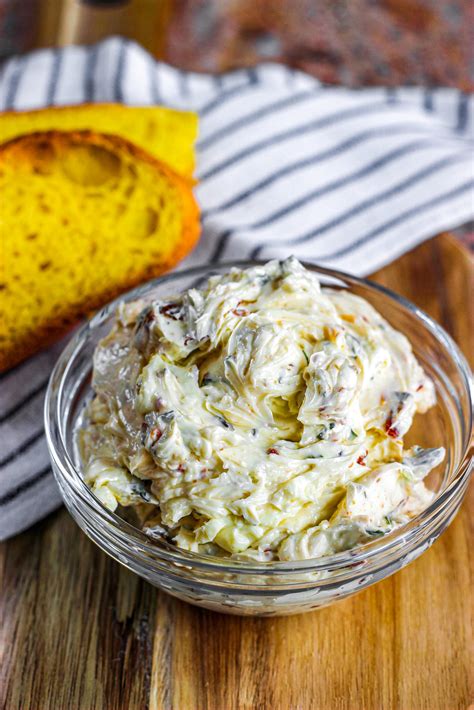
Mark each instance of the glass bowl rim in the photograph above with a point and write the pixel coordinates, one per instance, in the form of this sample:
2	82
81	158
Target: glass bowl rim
64	463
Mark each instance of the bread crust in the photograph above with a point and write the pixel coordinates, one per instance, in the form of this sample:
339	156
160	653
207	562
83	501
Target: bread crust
97	108
22	148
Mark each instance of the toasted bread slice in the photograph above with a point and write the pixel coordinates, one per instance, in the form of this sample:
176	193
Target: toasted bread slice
84	216
167	134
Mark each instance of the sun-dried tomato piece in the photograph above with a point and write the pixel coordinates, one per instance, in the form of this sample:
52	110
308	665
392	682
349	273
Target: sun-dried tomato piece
390	429
172	310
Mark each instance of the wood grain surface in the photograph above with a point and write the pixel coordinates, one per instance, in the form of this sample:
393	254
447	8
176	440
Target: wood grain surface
78	632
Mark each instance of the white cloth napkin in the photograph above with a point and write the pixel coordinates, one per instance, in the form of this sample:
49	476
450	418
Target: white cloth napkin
286	165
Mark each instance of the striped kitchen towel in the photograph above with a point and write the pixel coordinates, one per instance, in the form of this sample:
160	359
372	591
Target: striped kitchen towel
286	165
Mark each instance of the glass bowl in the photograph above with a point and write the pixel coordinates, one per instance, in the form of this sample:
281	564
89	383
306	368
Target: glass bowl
269	588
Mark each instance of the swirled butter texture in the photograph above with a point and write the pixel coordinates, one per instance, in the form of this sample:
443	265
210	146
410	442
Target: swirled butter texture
260	416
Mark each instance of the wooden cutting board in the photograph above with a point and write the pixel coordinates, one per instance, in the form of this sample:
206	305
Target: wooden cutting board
80	632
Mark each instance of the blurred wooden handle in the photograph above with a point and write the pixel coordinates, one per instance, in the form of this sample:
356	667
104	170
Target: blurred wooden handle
64	22
87	22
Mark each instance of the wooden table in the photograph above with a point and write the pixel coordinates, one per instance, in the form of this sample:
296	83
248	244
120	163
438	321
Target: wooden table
80	632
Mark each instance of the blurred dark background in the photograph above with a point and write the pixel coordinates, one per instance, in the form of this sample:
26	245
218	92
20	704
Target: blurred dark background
350	42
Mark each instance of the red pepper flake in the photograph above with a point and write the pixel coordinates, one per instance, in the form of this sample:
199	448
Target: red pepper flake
272	451
391	430
181	468
240	312
361	459
155	434
355	565
420	387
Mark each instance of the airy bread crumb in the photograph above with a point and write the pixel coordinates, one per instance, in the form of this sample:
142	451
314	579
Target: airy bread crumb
84	217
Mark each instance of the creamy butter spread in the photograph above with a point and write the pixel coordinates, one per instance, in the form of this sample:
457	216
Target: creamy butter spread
261	416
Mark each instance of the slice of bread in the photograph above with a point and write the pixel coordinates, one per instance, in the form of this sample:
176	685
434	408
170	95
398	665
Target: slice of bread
167	134
84	216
